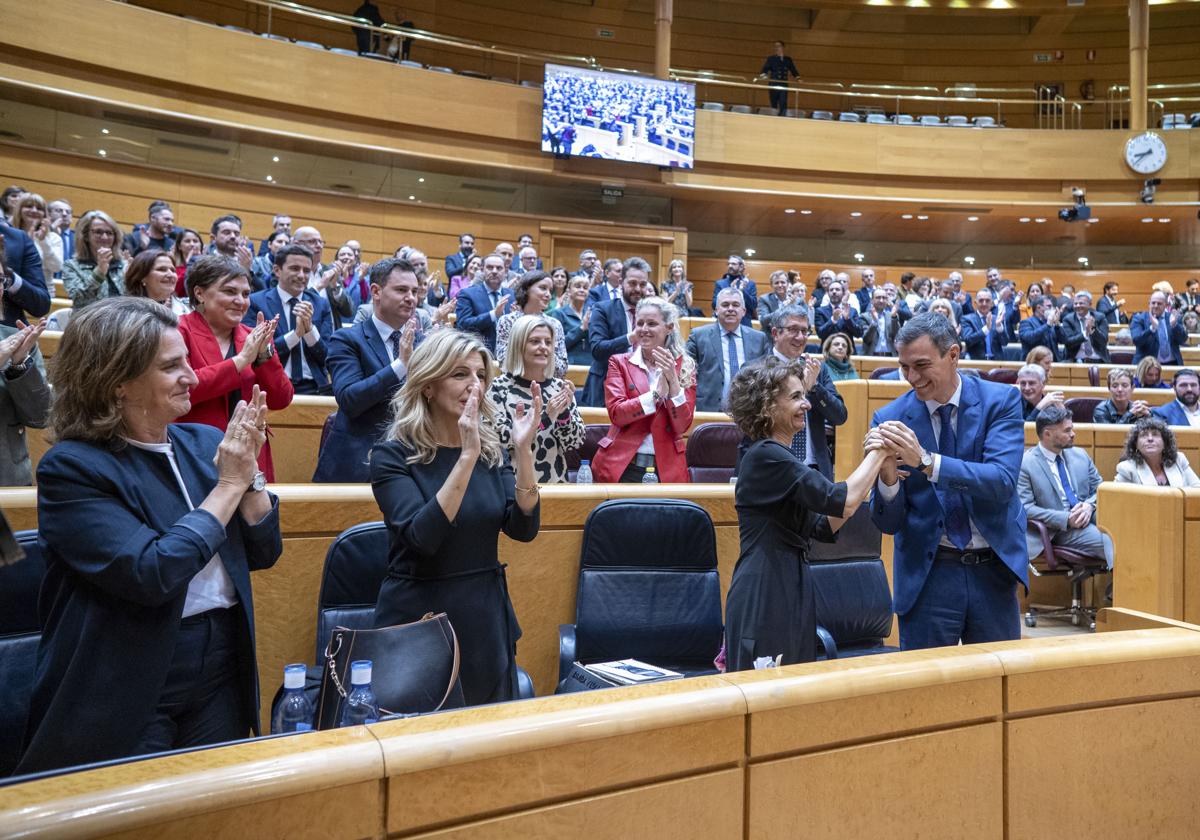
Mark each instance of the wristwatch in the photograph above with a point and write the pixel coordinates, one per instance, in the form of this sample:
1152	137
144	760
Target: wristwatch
926	461
259	482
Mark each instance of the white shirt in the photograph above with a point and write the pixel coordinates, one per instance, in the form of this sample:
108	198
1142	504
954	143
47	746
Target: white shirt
1052	459
211	588
809	460
292	339
385	332
889	492
1193	415
648	401
741	352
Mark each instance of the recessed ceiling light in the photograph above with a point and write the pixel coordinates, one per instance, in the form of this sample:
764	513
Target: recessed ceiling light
972	218
1083	259
789	210
1024	220
805	212
104	131
906	216
420	180
922	218
269	178
1093	220
969	260
856	214
102	153
750	252
275	159
860	257
412	198
1147	221
1163	221
1040	221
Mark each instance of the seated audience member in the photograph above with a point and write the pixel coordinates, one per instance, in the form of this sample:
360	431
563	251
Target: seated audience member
837	315
836	349
1043	357
97	270
478	307
1158	332
677	289
158	234
228	357
151	274
1191	321
1031	381
574	320
368	362
456	262
1183	410
447	489
612	330
30	216
262	269
1120	407
881	321
651	398
735	278
24	399
721	349
530	361
826	406
1085	334
1042	328
281	223
1058	486
149	530
983	333
471	272
303	322
1152	458
188	246
532	296
323	277
1148	374
782	506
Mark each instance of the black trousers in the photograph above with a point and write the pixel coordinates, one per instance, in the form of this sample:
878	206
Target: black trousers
201	702
778	99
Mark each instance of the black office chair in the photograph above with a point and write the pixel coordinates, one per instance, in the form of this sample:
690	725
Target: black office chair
1083	409
20	634
648	588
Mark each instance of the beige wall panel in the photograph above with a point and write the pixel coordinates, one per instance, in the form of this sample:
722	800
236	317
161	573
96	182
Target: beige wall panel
942	784
1142	757
1102	684
1147	528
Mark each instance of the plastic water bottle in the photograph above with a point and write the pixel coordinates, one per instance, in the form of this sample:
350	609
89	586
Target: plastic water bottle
295	713
584	476
360	702
650	477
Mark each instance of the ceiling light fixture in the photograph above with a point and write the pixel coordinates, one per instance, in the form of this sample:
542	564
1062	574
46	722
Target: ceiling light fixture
1147	221
104	131
969	260
412	198
922	218
750	252
269	178
275	159
860	257
1083	259
906	216
420	180
1040	221
1093	220
972	218
103	153
805	212
856	214
1024	220
1163	221
789	210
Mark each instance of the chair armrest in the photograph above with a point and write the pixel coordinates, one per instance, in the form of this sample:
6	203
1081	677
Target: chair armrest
1047	547
566	650
827	642
524	685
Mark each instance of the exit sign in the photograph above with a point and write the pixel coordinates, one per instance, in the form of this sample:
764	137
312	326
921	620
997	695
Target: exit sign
605	33
1042	58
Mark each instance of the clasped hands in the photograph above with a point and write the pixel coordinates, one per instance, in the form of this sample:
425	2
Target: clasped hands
900	445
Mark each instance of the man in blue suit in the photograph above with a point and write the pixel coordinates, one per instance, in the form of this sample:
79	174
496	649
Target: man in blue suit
1183	410
983	334
25	294
610	286
957	518
735	278
1042	328
305	320
60	222
1158	333
480	305
720	350
611	329
369	362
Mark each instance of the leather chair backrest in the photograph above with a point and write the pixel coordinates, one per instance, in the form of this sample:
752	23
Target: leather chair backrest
592	433
881	372
1007	376
1121	357
1082	408
20	633
854	600
714	445
355	567
648	584
710	475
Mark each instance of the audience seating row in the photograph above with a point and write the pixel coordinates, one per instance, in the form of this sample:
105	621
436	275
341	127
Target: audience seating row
865	116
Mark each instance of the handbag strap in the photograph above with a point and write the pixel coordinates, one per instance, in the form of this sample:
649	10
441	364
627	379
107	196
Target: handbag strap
454	669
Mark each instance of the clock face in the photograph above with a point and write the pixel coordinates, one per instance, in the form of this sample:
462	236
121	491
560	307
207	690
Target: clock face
1145	153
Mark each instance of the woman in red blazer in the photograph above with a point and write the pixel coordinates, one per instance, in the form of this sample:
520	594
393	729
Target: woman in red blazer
228	357
651	397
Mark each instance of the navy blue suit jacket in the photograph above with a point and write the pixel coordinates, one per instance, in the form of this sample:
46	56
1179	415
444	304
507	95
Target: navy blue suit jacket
826	326
974	341
598	294
23	258
608	332
749	295
1035	332
364	383
473	312
1172	413
268	303
1145	338
991	443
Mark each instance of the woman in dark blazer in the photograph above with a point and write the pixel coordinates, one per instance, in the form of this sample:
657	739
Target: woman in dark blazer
228	357
149	541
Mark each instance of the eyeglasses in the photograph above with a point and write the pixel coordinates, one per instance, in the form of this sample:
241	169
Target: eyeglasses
796	331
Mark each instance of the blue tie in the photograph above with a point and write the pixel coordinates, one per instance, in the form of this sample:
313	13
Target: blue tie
296	362
733	364
1164	340
1072	499
958	525
987	338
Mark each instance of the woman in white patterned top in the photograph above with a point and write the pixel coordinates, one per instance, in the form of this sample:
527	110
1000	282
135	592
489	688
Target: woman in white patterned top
529	360
533	292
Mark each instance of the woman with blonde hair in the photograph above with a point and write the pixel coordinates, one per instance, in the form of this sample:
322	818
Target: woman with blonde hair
30	215
677	289
651	398
97	270
530	362
1043	357
447	489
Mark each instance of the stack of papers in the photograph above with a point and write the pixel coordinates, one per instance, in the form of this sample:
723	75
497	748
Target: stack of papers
631	672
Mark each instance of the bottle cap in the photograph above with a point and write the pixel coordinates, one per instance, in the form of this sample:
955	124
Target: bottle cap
360	672
585	462
649	469
294	676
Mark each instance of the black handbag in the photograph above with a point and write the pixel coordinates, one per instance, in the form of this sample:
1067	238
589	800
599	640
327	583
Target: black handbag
414	668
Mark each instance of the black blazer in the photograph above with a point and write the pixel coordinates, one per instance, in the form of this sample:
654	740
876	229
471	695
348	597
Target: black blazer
23	258
121	549
1073	336
608	332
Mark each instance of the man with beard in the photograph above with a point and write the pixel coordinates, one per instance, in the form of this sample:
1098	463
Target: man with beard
1042	328
611	330
456	262
837	315
735	278
1183	410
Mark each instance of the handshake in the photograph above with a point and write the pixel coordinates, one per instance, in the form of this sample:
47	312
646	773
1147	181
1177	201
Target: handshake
899	445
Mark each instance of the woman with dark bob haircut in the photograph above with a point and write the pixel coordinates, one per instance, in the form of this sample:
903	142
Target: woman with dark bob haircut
533	292
1152	458
149	530
782	505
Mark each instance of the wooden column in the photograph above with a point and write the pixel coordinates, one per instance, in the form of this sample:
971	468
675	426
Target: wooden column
662	42
1139	49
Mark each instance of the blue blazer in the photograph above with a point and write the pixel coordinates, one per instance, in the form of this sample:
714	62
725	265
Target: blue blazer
364	383
974	341
608	332
268	303
991	443
851	325
1172	413
1145	338
473	312
749	295
1034	332
597	294
23	258
121	549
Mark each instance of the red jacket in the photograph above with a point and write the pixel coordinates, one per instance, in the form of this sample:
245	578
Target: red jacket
623	387
218	376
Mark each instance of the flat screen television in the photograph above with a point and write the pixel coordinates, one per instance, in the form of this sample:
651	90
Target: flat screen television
616	116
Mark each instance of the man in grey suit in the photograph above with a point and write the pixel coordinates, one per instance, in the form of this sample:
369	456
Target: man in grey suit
721	349
1058	485
24	400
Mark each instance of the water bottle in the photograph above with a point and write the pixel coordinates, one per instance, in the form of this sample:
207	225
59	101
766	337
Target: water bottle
295	712
584	476
650	477
360	702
